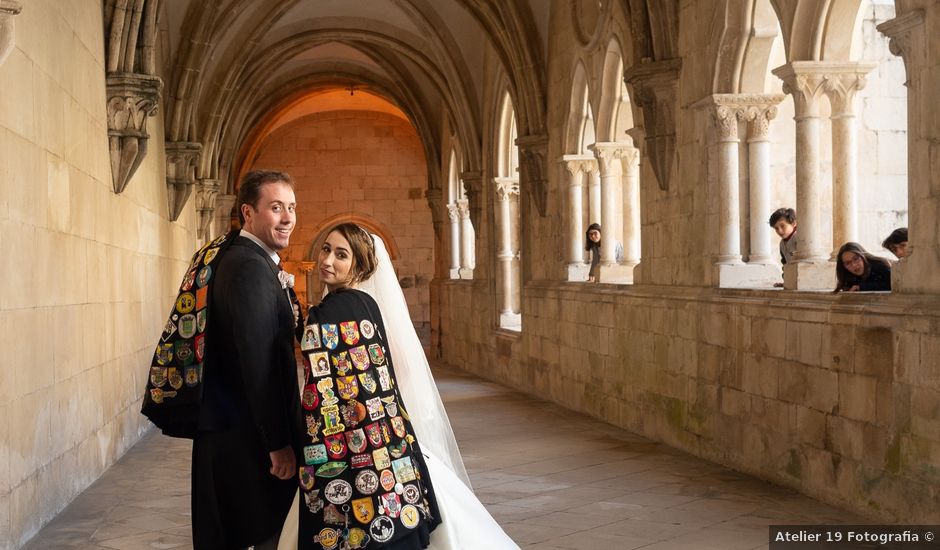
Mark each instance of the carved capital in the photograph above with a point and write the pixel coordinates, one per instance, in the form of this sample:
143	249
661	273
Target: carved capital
182	157
206	192
841	87
577	164
907	38
473	186
463	209
132	100
506	188
807	81
453	213
435	198
655	90
8	9
609	154
630	159
533	160
727	110
307	267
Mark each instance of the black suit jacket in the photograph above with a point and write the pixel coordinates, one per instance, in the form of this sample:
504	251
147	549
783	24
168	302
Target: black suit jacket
250	403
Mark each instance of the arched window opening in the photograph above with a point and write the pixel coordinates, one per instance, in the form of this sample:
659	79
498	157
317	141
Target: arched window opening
462	235
506	185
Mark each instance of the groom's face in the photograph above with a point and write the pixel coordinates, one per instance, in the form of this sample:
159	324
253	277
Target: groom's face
273	219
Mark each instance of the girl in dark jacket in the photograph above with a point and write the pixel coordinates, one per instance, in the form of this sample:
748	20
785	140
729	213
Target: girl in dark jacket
857	270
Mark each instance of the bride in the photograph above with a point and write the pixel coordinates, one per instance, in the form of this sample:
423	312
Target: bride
466	525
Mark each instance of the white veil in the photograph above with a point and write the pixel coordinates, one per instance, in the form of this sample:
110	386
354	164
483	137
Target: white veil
415	382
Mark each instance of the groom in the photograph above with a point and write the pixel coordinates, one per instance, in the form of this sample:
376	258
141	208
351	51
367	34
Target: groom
243	458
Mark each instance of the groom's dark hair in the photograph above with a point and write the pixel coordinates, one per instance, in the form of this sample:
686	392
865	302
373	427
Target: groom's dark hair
249	192
363	250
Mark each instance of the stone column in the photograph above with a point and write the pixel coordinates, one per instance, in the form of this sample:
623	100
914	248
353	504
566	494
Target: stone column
506	189
913	38
610	168
182	157
466	240
811	270
631	206
841	89
595	215
758	149
575	166
454	216
727	111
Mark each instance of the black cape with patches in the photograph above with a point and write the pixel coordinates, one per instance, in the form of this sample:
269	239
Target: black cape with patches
363	479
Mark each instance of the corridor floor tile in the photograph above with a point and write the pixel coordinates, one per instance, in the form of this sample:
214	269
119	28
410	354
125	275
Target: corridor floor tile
555	480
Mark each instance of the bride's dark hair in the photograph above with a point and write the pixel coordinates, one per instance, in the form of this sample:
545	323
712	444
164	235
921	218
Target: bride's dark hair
363	250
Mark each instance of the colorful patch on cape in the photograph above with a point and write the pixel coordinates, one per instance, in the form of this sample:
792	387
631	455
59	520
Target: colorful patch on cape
311	338
377	354
347	387
368	383
356	440
350	332
335	446
341	362
330	335
360	357
363	509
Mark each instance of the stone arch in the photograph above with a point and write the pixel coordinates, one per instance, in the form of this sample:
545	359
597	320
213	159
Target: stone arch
819	31
577	111
615	114
748	30
507	153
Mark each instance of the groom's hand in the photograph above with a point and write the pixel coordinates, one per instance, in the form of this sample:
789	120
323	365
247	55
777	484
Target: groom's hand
283	463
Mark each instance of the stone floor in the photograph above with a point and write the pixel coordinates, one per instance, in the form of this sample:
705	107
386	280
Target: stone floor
554	480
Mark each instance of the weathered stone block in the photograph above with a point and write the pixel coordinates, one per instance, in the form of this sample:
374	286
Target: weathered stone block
811	426
845	437
822	389
874	352
857	397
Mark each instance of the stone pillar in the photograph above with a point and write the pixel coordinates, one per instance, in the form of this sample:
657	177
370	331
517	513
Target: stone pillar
726	112
610	168
841	89
575	166
811	270
759	183
506	189
466	240
631	206
595	214
223	213
8	9
913	38
454	216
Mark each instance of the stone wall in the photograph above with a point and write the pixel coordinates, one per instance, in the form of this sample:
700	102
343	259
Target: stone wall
363	166
835	396
88	275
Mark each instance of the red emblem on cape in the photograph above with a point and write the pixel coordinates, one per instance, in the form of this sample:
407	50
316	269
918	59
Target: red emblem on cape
335	446
350	332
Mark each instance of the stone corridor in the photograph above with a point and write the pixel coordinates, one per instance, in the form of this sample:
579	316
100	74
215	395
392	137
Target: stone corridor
554	479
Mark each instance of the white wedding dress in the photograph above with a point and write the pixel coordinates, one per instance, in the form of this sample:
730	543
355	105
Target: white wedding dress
466	525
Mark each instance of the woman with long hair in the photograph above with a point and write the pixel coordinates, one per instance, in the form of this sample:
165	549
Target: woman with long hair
858	270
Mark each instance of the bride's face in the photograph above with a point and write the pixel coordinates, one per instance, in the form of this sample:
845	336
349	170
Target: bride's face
336	261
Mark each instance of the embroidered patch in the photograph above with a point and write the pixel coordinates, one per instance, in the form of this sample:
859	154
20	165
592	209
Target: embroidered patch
356	440
387	480
385	379
367	329
338	491
367	482
390	505
409	516
315	454
350	332
335	446
363	510
360	357
368	383
381	458
341	362
331	469
382	529
330	335
377	354
319	364
311	338
404	470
